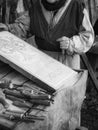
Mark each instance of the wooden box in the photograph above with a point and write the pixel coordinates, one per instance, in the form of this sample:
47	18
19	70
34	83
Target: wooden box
34	64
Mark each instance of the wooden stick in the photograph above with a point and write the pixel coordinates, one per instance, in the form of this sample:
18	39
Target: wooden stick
7	15
90	70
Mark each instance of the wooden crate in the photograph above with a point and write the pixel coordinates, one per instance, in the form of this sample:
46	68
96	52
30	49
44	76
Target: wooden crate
34	64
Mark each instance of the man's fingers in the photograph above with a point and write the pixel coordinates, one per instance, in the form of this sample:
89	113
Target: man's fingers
62	39
64	45
64	42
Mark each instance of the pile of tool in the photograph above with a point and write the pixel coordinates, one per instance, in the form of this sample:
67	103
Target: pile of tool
25	98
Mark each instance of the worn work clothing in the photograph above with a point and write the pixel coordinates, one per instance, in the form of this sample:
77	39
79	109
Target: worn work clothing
71	20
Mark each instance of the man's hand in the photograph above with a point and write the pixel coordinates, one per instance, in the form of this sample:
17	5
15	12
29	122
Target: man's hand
3	27
64	42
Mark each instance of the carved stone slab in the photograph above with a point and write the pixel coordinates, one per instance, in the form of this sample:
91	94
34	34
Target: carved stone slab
34	64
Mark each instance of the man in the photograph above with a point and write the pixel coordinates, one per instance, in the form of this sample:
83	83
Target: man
62	29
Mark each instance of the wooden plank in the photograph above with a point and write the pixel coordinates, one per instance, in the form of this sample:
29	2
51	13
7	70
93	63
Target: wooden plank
94	49
33	86
34	64
19	79
10	76
16	78
90	70
7	73
4	70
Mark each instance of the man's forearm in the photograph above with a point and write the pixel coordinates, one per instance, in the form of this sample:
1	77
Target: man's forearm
82	42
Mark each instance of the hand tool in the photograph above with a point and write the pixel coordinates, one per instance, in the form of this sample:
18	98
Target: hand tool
3	102
63	55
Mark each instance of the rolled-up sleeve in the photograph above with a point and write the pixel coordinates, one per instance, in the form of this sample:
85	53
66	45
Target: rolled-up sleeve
82	42
21	26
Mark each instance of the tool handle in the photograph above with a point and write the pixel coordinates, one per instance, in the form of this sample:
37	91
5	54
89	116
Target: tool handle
63	55
36	97
3	102
13	93
41	102
21	104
